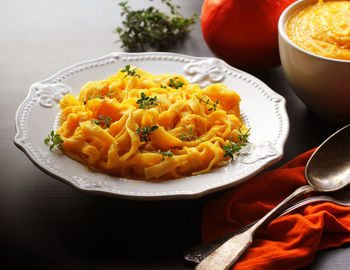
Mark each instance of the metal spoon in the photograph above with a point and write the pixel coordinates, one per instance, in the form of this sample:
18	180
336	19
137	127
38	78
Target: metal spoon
327	170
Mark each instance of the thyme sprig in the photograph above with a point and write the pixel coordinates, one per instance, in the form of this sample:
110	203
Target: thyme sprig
207	102
175	83
184	137
55	140
109	93
151	28
166	154
233	149
130	72
103	121
243	138
147	102
145	132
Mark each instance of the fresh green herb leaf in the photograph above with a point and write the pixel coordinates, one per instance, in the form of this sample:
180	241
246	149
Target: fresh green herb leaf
166	154
207	102
214	105
243	138
147	102
55	140
109	93
190	137
150	28
130	72
184	137
173	82
103	121
232	149
145	132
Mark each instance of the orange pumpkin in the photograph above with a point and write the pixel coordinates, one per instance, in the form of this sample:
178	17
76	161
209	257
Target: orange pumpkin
243	32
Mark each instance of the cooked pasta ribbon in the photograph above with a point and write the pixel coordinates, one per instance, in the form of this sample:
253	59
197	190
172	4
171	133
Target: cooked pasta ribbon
123	124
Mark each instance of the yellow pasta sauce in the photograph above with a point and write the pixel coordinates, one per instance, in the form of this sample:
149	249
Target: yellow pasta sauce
143	126
322	28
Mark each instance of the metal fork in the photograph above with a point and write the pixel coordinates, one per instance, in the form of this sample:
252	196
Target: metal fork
201	251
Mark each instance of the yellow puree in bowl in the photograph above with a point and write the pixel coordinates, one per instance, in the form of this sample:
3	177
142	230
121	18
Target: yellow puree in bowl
322	28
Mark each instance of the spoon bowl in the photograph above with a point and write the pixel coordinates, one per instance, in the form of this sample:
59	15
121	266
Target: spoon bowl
328	169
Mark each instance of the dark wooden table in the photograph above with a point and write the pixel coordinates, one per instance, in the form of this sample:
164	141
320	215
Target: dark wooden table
46	224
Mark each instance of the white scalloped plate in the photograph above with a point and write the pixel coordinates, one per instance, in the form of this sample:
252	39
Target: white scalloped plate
262	109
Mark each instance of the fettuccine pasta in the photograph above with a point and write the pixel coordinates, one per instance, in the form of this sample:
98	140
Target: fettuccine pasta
142	126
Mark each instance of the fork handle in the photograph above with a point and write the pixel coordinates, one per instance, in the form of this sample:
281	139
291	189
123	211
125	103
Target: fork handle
228	253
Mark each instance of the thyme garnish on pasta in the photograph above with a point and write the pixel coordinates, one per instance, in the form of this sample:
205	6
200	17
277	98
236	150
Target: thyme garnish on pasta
243	138
190	137
232	149
165	154
109	93
145	132
213	106
173	82
55	140
130	72
147	102
104	120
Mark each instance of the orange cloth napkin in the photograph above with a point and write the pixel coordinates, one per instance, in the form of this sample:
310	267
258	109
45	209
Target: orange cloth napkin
288	242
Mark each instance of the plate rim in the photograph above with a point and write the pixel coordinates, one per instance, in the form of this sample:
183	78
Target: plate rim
179	195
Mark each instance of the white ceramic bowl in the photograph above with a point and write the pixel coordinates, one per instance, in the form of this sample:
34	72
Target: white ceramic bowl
323	84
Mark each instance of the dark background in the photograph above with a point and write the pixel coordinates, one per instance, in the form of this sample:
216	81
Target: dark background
49	225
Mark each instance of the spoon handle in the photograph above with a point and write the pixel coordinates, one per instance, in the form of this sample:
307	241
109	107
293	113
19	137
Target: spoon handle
228	253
